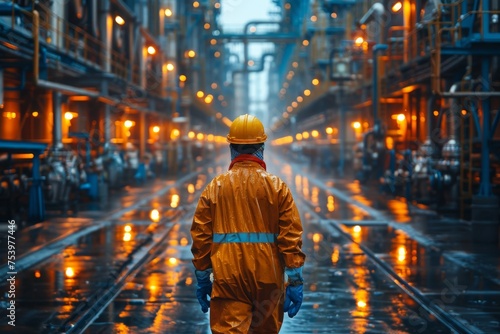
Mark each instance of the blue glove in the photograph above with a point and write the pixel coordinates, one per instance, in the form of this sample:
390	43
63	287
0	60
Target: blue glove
294	291
204	288
294	294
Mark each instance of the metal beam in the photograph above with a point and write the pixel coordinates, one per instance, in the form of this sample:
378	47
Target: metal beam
269	37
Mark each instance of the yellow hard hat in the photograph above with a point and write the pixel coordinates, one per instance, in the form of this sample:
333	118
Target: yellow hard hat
246	129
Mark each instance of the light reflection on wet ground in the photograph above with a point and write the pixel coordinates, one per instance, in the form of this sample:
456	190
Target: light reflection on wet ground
344	293
78	272
41	234
426	266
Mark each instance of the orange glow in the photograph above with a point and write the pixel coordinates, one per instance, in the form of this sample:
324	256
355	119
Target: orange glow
300	99
315	133
154	215
305	134
333	15
156	129
305	42
361	303
151	50
317	237
359	41
329	130
196	4
34	114
191	54
174	201
170	67
294	104
330	204
184	242
175	134
357	229
182	78
200	136
200	94
389	143
119	20
127	236
68	115
356	125
208	99
206	26
401	254
436	113
307	92
127	228
128	124
172	261
335	255
38	274
168	12
70	272
401	117
396	7
190	188
298	136
315	82
464	112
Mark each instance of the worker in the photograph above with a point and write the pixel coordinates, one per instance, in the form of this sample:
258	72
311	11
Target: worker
247	234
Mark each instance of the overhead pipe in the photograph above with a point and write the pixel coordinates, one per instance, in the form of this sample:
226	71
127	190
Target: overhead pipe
376	49
245	53
257	69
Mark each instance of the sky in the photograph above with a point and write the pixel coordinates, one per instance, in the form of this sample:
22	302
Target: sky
238	12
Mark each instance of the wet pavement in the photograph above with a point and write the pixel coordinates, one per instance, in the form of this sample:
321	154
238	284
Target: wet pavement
346	289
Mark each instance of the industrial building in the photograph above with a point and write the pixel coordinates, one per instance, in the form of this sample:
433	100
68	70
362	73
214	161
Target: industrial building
383	106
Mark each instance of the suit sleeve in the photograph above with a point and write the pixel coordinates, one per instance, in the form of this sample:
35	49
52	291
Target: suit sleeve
290	231
201	233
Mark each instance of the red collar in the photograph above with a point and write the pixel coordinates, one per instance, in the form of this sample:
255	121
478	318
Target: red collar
247	157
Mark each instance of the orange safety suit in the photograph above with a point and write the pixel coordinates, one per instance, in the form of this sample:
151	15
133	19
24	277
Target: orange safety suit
247	228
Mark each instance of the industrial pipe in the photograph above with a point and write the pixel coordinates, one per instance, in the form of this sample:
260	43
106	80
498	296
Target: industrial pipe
245	52
376	49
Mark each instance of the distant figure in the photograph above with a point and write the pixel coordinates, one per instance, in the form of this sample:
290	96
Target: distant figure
246	235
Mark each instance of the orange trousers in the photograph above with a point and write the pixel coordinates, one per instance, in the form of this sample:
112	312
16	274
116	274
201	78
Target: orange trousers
237	317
